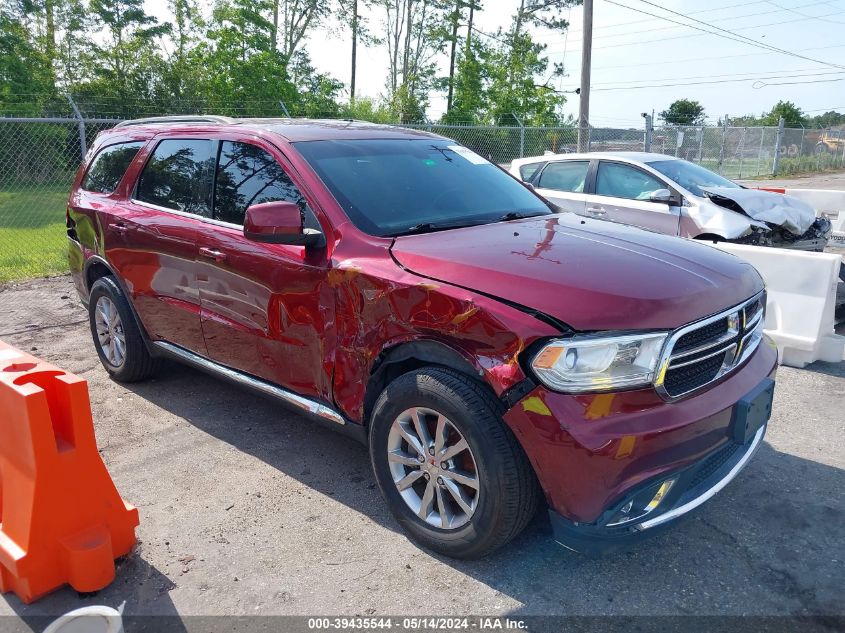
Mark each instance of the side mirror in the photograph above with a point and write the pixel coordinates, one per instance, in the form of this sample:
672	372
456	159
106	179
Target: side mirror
279	223
663	196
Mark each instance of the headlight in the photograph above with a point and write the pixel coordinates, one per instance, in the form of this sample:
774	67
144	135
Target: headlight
592	363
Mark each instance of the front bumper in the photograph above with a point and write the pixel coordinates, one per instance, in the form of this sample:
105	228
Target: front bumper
592	452
693	486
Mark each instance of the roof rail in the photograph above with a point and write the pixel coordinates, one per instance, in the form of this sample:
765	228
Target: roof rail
198	118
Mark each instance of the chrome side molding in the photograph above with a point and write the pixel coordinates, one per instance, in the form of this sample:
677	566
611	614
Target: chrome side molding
307	405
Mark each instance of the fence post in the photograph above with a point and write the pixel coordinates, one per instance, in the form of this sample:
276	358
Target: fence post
842	159
649	133
521	135
83	145
778	143
701	132
722	145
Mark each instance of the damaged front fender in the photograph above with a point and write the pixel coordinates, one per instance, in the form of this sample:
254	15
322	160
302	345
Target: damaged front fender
708	218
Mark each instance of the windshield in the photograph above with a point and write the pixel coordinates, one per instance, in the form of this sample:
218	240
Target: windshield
690	176
390	187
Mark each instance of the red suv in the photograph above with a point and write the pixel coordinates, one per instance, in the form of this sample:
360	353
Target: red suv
491	352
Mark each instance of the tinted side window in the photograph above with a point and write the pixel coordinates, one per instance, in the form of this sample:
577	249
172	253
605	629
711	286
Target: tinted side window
565	176
248	175
108	167
527	171
176	176
623	181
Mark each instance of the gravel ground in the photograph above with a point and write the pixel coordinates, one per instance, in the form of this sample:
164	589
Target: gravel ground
247	508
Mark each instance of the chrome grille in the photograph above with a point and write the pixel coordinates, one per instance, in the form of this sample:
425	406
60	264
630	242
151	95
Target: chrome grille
703	352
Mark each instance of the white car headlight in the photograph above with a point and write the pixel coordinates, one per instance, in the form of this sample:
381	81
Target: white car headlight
599	363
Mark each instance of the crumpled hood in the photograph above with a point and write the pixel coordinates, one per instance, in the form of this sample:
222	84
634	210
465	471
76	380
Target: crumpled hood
589	274
766	206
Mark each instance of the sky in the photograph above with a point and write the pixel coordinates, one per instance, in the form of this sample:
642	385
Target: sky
642	63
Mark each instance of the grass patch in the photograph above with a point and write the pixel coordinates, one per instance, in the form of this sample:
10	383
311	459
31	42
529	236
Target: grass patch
32	231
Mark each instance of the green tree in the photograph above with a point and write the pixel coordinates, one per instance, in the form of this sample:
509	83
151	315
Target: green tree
469	100
315	94
180	76
295	19
24	69
513	91
415	33
125	65
828	119
368	109
683	112
240	70
747	120
792	115
350	14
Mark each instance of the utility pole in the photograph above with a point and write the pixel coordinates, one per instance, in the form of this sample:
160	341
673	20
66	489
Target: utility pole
456	15
586	58
354	49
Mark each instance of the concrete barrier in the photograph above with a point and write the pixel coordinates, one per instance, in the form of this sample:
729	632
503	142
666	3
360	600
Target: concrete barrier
801	289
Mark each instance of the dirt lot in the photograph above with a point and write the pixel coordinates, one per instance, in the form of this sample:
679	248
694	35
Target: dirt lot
249	509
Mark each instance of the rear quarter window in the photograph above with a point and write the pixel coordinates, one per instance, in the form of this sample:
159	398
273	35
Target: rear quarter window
109	165
526	172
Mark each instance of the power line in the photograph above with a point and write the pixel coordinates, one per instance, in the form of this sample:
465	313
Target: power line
761	84
804	16
717	81
829	109
773	74
688	36
706	59
707	10
812	17
723	33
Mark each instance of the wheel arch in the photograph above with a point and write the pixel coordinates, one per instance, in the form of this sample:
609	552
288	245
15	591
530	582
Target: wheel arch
710	237
97	267
410	355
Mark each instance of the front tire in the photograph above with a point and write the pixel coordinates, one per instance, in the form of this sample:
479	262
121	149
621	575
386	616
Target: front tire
451	471
116	335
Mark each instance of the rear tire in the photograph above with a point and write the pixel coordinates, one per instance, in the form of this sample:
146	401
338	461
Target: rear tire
117	337
478	520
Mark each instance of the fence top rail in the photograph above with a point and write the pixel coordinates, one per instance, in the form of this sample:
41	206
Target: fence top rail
54	119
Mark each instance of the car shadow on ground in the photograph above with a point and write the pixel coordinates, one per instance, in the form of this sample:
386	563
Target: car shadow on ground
769	543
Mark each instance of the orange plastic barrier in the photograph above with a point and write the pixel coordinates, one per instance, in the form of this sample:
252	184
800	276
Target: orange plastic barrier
61	517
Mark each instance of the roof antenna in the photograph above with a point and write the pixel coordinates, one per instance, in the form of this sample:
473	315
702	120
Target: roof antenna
284	109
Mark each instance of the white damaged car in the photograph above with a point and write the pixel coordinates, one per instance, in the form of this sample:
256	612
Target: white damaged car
670	195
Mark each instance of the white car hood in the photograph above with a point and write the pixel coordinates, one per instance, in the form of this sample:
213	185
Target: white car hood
766	206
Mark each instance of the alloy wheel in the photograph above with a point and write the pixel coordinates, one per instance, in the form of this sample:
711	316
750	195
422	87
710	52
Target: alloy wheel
110	334
433	468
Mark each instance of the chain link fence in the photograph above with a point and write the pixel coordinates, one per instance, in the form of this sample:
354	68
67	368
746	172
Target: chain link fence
39	157
38	161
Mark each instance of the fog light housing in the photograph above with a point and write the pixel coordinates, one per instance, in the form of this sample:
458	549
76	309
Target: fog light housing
641	504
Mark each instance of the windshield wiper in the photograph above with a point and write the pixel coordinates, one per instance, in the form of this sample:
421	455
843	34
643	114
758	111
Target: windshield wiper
431	227
516	215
